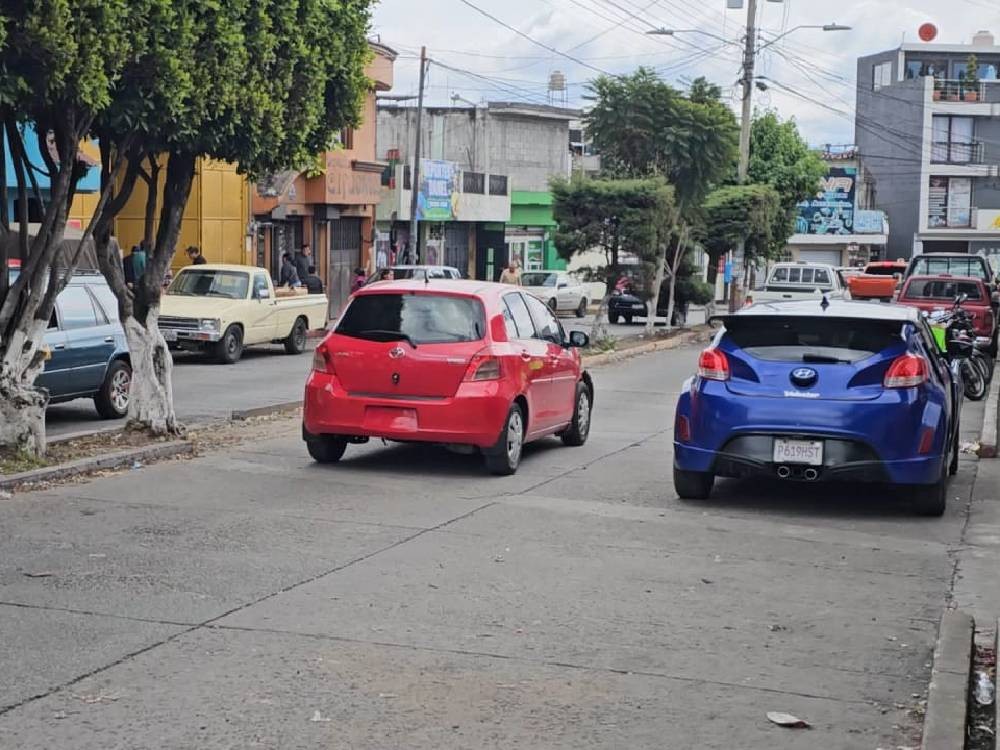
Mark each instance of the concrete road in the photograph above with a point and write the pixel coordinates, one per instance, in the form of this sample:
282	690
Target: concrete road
403	599
265	376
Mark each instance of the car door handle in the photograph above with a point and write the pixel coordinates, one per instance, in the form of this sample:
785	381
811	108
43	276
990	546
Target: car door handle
59	347
109	339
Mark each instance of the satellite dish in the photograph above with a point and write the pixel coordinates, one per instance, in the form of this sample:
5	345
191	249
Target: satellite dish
927	32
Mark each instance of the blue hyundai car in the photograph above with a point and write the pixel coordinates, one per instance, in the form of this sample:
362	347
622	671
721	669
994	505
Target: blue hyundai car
821	391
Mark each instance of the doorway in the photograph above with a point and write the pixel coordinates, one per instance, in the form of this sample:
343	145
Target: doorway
345	252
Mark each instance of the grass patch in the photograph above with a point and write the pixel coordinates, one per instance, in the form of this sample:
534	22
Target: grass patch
12	462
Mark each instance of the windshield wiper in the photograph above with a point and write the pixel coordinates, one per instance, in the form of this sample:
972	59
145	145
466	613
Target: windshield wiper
821	359
386	336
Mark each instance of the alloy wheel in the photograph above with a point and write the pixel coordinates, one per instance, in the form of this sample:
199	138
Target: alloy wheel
515	438
121	385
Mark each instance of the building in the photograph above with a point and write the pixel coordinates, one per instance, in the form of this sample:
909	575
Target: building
928	132
499	158
330	206
829	226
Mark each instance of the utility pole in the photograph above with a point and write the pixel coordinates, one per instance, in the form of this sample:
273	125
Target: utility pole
746	121
415	170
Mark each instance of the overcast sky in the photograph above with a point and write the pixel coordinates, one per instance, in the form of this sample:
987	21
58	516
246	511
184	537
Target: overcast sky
814	70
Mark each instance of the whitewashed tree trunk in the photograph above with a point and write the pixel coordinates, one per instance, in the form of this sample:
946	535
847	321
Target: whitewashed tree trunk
654	303
599	332
151	400
22	405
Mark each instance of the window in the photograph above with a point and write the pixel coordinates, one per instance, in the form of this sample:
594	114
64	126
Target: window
521	317
223	284
422	318
807	276
106	300
929	265
949	202
819	340
259	285
539	279
794	275
547	327
498	184
780	275
952	141
76	308
942	289
823	277
881	75
473	182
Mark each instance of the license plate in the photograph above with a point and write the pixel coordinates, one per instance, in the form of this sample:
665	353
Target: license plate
808	452
169	335
638	307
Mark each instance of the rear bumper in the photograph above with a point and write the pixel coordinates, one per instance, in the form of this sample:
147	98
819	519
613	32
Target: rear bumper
473	416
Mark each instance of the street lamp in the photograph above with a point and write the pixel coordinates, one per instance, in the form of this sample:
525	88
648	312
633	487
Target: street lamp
671	32
823	27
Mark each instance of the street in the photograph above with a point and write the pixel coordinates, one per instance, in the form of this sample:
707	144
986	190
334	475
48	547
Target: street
403	598
204	390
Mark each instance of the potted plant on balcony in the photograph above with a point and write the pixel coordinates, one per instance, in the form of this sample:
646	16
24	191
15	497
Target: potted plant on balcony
970	79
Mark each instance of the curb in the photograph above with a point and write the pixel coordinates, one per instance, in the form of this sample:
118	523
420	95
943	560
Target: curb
97	463
241	415
948	695
988	437
685	337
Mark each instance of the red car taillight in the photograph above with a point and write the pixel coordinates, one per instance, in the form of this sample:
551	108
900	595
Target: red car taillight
713	365
907	371
321	361
484	366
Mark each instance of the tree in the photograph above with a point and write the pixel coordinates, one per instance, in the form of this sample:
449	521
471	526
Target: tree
703	91
263	85
60	61
779	157
618	217
739	212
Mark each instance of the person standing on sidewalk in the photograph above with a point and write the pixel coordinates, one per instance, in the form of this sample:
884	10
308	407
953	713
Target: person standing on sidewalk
511	274
303	259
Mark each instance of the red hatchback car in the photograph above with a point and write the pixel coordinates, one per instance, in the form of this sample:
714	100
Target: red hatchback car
465	364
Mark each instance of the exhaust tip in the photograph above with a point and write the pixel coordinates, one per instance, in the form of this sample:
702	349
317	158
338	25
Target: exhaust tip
784	472
811	475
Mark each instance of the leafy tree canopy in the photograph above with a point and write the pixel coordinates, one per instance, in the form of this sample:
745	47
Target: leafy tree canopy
736	212
779	157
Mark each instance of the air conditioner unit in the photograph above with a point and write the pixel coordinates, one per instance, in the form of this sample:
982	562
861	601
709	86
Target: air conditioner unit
734	4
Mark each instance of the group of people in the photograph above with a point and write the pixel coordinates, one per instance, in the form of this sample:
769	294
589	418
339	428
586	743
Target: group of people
299	270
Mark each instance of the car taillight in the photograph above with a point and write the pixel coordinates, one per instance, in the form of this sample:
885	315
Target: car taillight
907	371
713	365
321	361
484	366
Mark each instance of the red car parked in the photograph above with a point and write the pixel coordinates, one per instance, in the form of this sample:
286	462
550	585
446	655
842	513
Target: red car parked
929	293
466	364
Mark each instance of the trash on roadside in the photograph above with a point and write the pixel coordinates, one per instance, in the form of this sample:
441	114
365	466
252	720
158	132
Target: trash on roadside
787	720
318	717
136	465
984	689
40	574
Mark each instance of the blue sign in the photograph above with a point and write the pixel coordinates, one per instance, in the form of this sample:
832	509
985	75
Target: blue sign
727	275
831	211
869	222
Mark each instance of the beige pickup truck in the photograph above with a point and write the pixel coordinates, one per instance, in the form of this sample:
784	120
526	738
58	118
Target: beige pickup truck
222	309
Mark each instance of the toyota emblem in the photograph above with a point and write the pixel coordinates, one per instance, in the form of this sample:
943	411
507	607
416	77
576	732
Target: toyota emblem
397	352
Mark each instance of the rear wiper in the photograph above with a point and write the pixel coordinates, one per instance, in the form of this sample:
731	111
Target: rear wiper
823	359
387	336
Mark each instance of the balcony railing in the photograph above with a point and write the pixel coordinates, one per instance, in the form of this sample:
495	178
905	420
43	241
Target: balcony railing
953	152
958	91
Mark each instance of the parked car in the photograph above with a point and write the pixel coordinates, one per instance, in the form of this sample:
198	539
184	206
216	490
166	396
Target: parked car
223	309
952	264
814	392
400	273
557	289
467	364
88	354
880	280
932	293
802	280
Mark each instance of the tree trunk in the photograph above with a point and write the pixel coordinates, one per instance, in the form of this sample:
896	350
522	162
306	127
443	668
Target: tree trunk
22	405
654	303
675	266
151	399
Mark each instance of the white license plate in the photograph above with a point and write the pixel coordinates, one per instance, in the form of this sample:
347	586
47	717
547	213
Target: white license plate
808	452
169	335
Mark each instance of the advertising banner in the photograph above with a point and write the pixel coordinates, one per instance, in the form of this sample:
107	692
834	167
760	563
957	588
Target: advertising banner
831	211
437	199
869	222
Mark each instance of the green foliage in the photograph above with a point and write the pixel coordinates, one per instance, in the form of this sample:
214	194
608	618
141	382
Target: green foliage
642	126
617	216
702	91
971	76
750	212
779	157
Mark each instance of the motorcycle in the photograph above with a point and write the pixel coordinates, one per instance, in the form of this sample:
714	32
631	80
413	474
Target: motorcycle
956	337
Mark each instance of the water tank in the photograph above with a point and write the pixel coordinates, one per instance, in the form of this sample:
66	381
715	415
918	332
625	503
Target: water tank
557	81
983	39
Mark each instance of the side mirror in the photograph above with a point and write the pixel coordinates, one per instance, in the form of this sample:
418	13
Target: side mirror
562	285
579	340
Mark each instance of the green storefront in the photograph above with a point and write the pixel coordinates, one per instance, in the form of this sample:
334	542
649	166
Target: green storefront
530	232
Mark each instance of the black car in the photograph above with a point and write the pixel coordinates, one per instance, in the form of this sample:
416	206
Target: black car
627	306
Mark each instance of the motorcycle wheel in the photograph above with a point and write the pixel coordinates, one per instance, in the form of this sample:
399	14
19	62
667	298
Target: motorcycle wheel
975	384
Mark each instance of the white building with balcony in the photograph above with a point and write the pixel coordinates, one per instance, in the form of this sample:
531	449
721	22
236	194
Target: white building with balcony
928	133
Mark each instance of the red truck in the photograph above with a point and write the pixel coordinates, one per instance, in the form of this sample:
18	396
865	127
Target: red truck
931	293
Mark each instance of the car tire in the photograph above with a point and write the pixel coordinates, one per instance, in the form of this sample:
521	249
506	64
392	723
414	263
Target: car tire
613	318
579	429
111	401
503	458
930	499
553	305
581	309
693	485
326	449
229	349
953	464
295	343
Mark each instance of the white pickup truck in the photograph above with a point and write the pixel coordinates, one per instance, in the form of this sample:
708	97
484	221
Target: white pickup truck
802	280
222	309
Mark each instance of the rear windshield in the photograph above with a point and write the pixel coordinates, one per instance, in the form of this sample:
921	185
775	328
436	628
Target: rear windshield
818	340
943	289
928	265
419	318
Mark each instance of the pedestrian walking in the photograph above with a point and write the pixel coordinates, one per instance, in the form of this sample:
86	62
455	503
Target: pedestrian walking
288	276
302	260
511	274
195	256
313	283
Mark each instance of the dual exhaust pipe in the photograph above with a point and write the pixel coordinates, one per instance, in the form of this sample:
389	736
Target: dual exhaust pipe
810	474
